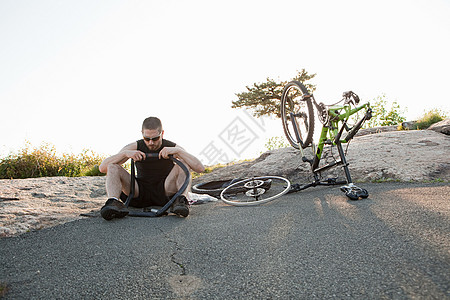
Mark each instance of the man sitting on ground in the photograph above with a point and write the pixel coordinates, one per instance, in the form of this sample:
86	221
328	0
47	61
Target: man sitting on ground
156	180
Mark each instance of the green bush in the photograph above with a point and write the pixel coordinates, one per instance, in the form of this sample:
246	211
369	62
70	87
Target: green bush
382	115
208	169
276	142
30	162
430	117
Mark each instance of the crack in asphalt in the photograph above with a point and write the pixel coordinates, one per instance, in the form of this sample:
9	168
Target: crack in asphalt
173	255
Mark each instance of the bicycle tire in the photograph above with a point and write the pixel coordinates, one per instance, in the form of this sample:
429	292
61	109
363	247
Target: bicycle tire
293	101
213	188
162	211
278	187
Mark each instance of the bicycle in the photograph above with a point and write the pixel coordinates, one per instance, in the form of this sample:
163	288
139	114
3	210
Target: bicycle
297	114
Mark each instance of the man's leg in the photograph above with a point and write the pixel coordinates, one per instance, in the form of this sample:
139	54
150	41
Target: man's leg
172	185
175	180
117	180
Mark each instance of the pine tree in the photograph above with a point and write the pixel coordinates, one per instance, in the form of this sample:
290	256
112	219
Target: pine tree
265	98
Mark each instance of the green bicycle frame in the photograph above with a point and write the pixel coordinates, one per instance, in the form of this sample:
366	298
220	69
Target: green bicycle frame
331	134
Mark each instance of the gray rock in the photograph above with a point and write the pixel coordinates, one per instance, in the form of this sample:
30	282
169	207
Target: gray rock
411	125
442	126
97	192
39	195
416	155
379	129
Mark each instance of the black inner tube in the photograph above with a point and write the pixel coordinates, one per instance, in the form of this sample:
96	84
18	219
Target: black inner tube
163	209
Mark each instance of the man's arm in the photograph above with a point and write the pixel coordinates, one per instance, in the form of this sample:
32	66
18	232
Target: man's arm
178	152
127	152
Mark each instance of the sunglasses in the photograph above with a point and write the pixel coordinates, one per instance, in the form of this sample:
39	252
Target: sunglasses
154	139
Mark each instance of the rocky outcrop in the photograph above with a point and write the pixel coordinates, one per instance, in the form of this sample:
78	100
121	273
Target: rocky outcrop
35	203
441	127
419	155
379	129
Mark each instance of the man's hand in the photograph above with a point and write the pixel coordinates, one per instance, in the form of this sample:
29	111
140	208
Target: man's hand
188	159
136	155
166	151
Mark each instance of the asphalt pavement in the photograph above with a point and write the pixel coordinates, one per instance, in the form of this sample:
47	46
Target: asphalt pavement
314	244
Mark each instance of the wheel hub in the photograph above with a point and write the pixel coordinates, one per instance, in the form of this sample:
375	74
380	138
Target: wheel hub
254	184
255	192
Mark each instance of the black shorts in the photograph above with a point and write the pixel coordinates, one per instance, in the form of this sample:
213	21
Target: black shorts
150	194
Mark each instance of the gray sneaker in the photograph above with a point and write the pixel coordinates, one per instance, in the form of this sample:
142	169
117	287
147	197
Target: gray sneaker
180	206
113	209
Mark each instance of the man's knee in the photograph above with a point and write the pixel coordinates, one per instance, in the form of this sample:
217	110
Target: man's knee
178	173
174	180
114	170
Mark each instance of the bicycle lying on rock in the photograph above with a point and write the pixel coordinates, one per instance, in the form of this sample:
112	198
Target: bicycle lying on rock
297	114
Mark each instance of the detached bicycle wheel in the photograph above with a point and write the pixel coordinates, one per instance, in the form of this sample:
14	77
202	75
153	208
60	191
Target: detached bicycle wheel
213	188
297	111
255	191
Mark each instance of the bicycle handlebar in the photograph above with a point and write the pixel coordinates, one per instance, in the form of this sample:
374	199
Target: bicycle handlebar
156	156
350	97
152	155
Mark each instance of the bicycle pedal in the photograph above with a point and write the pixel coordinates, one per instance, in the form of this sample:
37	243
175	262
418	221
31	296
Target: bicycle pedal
345	189
354	193
363	193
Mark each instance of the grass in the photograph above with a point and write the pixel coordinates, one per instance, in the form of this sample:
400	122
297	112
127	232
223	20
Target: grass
43	161
436	180
209	169
384	180
429	118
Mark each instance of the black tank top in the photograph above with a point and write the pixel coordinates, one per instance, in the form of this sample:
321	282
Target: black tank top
153	170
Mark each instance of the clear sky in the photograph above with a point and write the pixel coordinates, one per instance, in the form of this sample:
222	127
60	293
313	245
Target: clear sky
84	74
